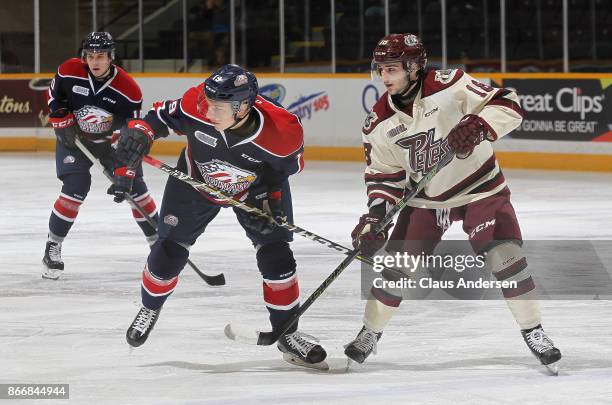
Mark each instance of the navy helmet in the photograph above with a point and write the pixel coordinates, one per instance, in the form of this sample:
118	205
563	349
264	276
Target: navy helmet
98	41
232	83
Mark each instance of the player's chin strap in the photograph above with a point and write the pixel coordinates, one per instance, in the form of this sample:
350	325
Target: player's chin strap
215	280
250	336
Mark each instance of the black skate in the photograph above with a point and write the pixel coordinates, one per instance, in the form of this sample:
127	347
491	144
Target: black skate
139	330
302	350
53	264
543	348
363	345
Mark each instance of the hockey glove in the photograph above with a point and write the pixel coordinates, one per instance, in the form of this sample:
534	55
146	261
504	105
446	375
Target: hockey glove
135	141
269	200
63	125
123	178
468	133
363	235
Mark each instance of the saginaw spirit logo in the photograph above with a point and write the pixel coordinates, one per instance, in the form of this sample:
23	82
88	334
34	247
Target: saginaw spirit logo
307	106
423	150
94	120
226	177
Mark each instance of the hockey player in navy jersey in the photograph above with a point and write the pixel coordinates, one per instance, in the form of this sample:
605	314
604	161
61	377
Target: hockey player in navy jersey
245	146
89	98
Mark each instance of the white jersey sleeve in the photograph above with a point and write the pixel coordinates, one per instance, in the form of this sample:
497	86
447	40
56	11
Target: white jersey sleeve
500	108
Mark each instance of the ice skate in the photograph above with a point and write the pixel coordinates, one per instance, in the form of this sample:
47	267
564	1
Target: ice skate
143	324
543	348
53	266
364	344
302	350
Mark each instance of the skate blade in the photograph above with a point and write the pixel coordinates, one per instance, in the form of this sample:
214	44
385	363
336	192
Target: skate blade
553	368
299	362
51	274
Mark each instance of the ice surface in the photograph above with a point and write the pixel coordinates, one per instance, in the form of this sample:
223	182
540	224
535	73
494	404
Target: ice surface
72	330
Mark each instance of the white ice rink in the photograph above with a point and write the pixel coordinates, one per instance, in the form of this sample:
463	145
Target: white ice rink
433	352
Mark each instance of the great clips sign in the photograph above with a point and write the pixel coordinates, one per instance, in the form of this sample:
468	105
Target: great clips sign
564	109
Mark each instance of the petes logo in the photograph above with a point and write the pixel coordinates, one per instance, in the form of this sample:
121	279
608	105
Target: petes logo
370	119
410	40
444	76
80	90
226	177
69	159
94	120
423	150
206	139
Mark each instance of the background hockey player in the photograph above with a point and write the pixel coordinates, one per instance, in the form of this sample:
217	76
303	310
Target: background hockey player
245	146
423	116
90	98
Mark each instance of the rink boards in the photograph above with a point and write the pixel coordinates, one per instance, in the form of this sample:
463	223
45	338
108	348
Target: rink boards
566	124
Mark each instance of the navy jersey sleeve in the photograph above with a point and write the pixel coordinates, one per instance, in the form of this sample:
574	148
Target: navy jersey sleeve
166	115
57	98
293	163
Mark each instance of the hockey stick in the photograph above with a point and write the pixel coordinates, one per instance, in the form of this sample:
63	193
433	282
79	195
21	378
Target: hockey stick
215	280
250	336
284	224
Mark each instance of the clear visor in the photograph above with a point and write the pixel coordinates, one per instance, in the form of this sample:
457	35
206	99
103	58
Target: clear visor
92	52
392	69
222	109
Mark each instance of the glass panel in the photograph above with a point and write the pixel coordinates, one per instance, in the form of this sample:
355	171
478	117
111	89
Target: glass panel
17	37
120	18
59	42
208	28
534	35
257	35
308	36
473	35
406	16
163	35
360	24
590	43
432	33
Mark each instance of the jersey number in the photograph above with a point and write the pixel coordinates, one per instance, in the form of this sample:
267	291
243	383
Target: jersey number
480	85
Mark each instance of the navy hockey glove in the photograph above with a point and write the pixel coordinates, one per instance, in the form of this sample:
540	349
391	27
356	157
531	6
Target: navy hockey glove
123	178
63	125
267	199
363	235
468	133
135	141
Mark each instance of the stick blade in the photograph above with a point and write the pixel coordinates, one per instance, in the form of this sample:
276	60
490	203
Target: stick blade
241	334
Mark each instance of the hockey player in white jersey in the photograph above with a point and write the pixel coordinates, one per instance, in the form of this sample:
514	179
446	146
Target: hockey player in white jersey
423	116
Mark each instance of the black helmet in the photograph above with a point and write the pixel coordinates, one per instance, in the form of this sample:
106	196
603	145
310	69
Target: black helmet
232	83
98	42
